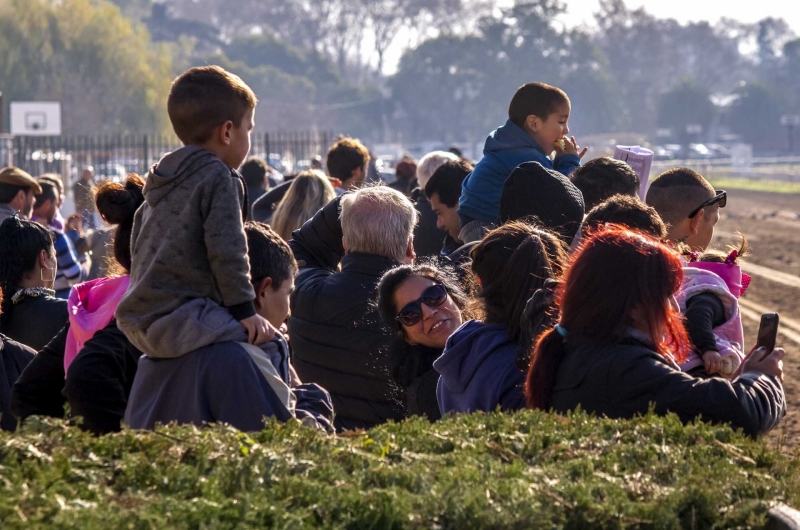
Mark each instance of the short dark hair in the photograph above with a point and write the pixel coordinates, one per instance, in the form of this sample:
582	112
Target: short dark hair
537	99
49	192
345	156
270	256
626	211
254	170
9	191
676	192
204	98
604	177
446	181
55	178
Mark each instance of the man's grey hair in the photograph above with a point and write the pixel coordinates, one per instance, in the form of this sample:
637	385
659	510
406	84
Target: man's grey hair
429	163
378	220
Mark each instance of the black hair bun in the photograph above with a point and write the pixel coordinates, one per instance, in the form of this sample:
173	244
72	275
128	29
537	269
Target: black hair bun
117	203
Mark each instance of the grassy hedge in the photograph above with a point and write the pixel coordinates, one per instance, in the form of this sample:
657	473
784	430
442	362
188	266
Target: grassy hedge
528	470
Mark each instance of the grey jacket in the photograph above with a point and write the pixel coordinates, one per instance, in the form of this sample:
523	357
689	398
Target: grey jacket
6	211
188	241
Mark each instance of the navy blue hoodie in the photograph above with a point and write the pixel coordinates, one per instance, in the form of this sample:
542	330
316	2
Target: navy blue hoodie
506	147
479	371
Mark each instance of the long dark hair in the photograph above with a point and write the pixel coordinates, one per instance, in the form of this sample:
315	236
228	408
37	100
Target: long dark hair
117	203
394	278
511	263
613	272
21	241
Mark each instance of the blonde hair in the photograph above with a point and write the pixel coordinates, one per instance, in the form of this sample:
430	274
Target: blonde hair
378	220
309	191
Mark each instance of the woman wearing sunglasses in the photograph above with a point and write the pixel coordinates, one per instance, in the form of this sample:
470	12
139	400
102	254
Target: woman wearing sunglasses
423	304
479	367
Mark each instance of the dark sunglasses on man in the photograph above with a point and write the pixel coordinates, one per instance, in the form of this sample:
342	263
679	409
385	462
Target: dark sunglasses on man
721	197
433	296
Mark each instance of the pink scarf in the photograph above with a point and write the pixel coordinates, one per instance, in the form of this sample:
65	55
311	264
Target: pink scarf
91	307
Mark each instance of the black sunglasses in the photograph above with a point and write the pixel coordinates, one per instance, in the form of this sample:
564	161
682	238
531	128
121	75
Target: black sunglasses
433	296
721	197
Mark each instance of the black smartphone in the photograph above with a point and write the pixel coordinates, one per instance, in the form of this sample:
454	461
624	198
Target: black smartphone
768	332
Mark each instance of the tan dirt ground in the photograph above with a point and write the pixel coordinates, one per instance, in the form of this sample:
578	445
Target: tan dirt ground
771	223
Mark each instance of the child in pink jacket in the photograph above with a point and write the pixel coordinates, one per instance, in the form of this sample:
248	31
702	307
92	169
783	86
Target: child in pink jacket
709	299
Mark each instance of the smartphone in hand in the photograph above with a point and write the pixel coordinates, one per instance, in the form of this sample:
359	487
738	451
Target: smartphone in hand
768	332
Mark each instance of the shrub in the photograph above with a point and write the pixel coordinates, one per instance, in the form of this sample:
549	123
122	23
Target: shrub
527	470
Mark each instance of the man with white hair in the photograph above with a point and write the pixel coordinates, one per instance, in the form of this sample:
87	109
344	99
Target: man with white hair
337	339
428	238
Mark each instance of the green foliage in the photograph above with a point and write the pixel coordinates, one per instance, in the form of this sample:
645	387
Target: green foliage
685	104
528	470
85	54
756	115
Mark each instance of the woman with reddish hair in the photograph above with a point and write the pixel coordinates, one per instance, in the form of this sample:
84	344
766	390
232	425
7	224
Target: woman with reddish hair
615	349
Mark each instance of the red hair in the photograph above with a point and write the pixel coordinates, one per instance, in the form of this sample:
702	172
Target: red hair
615	272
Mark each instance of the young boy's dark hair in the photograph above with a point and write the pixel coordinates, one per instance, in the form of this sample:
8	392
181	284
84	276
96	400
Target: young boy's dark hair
254	171
204	98
604	177
345	156
537	99
676	192
627	211
446	181
270	256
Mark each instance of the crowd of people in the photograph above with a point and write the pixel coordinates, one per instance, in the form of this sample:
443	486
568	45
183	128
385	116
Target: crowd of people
230	294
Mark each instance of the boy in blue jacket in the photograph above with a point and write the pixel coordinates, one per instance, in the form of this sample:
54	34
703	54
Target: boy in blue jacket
536	126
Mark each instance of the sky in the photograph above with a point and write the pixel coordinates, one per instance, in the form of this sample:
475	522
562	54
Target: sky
582	12
579	11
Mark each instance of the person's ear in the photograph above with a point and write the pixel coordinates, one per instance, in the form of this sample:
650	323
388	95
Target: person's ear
694	222
410	254
225	132
44	259
344	244
532	122
260	288
336	183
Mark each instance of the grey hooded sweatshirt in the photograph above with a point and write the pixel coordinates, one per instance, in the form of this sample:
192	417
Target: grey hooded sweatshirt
190	275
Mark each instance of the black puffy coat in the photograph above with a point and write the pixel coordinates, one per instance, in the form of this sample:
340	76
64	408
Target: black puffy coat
622	380
14	357
97	384
337	337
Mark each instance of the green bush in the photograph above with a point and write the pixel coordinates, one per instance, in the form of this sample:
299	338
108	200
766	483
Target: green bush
527	470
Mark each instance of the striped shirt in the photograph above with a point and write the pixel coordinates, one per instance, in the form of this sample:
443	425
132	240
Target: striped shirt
69	270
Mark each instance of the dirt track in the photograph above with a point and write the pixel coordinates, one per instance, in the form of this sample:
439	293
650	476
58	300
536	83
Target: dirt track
771	223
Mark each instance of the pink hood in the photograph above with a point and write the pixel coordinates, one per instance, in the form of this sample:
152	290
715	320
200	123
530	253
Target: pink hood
91	307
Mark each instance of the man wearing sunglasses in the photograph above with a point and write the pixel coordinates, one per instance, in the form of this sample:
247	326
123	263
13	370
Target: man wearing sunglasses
688	204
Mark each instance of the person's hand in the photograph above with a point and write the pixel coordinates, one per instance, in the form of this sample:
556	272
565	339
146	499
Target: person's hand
258	329
568	146
712	361
75	222
758	361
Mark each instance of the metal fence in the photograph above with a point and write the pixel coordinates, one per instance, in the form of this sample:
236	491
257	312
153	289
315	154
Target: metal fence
113	157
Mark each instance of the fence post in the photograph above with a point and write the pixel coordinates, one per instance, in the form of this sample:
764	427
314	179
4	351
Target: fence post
145	155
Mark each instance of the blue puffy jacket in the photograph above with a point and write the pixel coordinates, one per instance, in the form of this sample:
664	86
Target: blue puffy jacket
506	148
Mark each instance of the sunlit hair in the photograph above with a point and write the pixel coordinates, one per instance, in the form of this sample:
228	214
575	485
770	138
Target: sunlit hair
511	263
429	163
117	204
614	272
205	97
378	220
308	192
